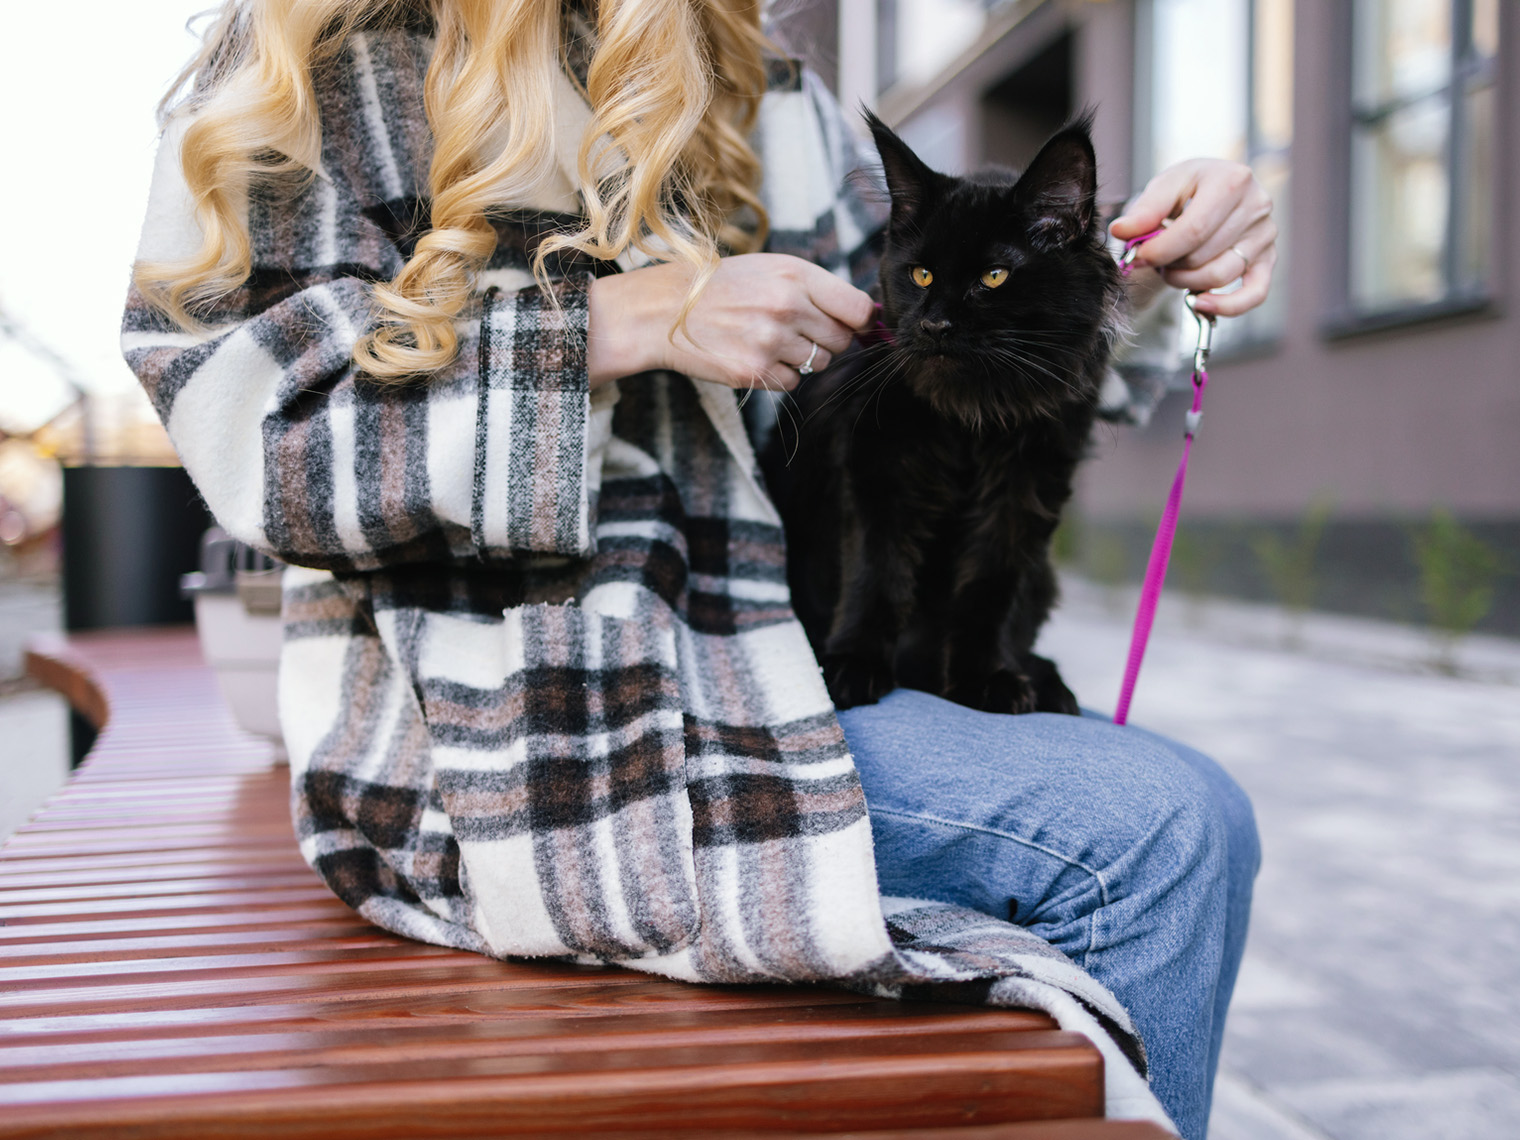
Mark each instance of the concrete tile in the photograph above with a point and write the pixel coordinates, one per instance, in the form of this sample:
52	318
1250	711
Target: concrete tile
25	608
35	759
1244	1112
1473	1104
1265	983
1271	1047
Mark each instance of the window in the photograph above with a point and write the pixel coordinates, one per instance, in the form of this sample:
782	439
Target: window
1422	152
916	39
1241	53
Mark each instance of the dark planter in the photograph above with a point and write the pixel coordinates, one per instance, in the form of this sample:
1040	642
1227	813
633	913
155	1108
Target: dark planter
128	535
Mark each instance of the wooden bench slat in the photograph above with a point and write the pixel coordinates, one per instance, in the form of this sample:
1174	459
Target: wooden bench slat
182	946
25	845
390	1058
209	901
1021	1130
269	917
111	873
698	1099
120	867
332	981
461	1009
155	887
748	1024
309	960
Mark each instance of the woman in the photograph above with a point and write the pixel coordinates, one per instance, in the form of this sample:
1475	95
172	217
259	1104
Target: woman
445	303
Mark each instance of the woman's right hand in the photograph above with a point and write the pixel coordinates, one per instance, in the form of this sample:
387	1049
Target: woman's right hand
755	323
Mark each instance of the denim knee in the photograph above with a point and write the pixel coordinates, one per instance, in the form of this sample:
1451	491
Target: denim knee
1128	852
1234	806
1239	823
1167	839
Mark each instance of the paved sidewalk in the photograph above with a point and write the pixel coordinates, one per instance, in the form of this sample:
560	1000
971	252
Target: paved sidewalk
1380	996
34	725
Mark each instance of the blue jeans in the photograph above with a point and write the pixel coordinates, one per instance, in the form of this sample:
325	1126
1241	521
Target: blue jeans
1132	854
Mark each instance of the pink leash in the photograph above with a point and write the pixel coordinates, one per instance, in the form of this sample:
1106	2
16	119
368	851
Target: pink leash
1161	549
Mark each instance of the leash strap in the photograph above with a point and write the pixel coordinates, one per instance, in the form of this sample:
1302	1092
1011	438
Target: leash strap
1166	530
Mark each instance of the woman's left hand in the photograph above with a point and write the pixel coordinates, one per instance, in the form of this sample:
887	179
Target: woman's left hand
1220	229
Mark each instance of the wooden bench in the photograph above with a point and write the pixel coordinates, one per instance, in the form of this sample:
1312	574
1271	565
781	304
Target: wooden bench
170	967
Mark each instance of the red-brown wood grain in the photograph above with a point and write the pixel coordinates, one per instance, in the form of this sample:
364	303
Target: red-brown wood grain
169	967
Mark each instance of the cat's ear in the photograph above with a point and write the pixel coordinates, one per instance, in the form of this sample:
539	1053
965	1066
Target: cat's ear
909	180
1058	191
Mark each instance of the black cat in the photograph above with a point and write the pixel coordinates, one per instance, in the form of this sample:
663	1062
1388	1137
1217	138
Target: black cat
929	469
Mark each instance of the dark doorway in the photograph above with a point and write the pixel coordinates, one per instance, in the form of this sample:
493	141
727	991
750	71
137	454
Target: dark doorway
1028	105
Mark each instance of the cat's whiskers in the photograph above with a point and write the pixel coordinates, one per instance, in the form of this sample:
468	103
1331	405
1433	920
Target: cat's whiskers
1048	406
1024	361
784	405
886	368
876	395
891	360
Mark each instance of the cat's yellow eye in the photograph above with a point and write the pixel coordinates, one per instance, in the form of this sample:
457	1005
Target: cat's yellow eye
994	277
922	277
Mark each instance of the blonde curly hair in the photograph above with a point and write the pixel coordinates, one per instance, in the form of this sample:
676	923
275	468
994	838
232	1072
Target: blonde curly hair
665	166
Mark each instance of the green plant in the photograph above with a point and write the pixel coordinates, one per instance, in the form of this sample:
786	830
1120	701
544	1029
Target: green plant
1106	559
1288	563
1195	558
1066	542
1457	575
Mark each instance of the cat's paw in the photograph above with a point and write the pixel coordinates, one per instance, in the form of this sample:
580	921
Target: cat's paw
1051	693
1055	697
857	680
1002	691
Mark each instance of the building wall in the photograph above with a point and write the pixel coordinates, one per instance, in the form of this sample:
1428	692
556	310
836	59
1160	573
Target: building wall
1392	422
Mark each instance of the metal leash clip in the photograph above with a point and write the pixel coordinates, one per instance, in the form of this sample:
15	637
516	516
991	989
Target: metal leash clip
1205	334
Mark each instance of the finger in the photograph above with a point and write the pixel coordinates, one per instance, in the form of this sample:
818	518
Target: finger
1245	219
781	378
840	300
826	332
1228	264
803	354
1214	200
1228	267
1252	292
1157	202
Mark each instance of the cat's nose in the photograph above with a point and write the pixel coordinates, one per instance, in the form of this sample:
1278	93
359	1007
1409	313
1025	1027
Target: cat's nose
934	328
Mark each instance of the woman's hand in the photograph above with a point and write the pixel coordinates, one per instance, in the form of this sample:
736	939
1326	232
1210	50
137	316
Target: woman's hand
1221	229
754	325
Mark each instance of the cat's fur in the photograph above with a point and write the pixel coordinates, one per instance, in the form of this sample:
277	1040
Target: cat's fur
929	472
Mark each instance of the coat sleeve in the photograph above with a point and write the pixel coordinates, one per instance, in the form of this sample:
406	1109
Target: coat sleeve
822	186
297	454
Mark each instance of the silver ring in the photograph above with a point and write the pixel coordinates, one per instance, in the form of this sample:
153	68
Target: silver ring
806	367
1240	253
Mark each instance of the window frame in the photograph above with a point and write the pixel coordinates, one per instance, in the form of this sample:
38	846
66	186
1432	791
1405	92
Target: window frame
1460	298
1243	337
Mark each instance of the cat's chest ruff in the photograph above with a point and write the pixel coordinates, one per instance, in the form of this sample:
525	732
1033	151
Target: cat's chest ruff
939	469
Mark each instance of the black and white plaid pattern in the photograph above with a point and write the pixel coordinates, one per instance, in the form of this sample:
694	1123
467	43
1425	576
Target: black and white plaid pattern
542	689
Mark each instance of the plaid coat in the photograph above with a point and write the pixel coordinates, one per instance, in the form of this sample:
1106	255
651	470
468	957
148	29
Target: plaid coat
541	686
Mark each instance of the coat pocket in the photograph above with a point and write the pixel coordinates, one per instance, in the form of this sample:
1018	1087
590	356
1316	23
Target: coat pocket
565	787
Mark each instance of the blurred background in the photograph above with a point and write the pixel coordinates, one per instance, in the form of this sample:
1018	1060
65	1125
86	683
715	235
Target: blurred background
80	141
1343	622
